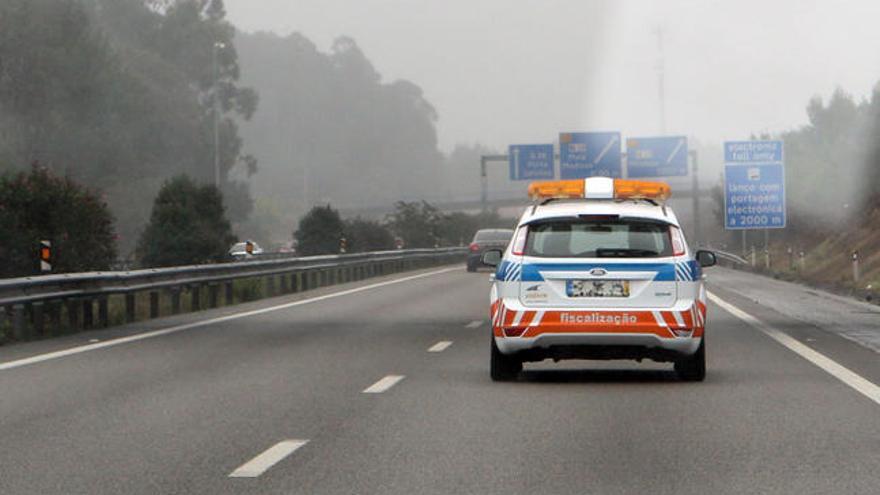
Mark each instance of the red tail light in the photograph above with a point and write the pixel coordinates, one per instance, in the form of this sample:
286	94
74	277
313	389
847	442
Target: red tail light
677	239
474	247
514	331
519	243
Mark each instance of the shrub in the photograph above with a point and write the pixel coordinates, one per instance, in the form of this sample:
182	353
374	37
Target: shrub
39	205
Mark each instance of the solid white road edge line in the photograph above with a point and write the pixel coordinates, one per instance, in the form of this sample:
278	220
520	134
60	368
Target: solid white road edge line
273	455
847	376
474	324
440	346
383	384
158	333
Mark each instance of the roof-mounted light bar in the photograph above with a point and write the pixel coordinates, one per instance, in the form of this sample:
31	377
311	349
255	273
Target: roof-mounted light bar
600	188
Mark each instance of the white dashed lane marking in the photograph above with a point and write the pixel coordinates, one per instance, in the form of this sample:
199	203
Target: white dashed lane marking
383	385
440	346
474	324
273	455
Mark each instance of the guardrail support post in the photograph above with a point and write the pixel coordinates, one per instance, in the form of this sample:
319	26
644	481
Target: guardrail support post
19	323
54	308
294	282
230	293
304	278
270	286
196	300
88	306
129	307
284	286
213	295
154	304
313	279
175	300
72	314
103	316
38	314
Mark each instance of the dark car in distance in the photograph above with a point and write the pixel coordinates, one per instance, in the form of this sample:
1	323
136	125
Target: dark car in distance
486	239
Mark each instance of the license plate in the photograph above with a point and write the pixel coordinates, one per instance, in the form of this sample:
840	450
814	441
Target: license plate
597	288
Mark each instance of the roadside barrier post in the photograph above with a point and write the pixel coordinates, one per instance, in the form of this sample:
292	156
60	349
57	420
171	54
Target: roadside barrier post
855	266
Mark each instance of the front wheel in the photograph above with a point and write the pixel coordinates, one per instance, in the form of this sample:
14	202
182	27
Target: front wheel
503	368
693	368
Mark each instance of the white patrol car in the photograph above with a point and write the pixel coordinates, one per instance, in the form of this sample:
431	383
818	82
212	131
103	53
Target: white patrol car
598	269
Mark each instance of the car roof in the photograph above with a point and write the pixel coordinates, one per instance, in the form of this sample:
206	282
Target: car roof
563	208
507	231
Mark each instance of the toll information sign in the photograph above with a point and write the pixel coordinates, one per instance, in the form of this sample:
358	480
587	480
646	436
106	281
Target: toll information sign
589	154
754	185
657	156
530	161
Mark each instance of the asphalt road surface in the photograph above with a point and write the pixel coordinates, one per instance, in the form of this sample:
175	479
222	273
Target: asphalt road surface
385	389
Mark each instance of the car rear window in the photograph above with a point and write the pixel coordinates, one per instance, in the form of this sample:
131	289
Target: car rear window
493	235
617	238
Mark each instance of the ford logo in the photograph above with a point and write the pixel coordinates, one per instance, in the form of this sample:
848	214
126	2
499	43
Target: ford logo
598	272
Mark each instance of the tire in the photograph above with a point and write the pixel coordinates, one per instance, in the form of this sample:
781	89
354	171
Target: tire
693	368
503	368
471	267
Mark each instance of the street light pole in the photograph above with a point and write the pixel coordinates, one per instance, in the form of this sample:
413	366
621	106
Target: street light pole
217	46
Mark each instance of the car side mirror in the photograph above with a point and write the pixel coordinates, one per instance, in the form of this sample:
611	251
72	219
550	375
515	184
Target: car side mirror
706	258
491	257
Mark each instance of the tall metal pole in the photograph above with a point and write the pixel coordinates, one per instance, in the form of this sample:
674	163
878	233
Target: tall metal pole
661	79
695	193
484	185
216	112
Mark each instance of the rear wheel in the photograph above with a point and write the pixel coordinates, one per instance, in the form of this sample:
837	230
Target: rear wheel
471	266
503	368
693	368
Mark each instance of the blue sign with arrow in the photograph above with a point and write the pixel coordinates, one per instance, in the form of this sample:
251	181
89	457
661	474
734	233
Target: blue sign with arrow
531	161
657	156
754	185
589	154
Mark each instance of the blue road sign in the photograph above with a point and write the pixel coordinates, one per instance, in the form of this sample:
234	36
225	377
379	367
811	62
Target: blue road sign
656	156
754	185
589	154
530	161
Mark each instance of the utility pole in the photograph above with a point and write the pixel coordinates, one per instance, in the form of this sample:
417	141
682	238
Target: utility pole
661	78
216	70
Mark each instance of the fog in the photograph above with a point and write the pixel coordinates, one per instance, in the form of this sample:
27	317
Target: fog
501	72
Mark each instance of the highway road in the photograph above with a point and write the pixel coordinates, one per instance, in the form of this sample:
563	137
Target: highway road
382	387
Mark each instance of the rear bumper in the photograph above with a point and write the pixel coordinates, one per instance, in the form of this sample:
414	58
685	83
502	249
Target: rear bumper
598	346
663	334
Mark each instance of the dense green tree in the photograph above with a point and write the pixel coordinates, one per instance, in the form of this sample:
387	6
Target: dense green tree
319	232
417	223
119	94
40	205
367	235
188	225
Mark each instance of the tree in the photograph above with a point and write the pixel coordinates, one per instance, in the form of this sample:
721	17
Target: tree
367	235
39	205
319	232
416	223
188	225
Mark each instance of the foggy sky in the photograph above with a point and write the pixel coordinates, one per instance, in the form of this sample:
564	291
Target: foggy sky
518	71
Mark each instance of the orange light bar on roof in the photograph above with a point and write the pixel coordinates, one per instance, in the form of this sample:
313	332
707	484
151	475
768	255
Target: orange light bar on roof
600	188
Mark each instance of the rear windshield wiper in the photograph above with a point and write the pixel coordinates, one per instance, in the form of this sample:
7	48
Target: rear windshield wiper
624	253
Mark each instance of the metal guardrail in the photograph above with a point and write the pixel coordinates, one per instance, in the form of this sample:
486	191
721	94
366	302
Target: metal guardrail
30	302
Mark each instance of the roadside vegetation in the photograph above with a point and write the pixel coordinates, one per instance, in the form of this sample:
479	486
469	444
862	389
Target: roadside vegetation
832	172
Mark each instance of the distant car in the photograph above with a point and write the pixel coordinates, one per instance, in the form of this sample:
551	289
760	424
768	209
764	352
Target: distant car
486	239
239	251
